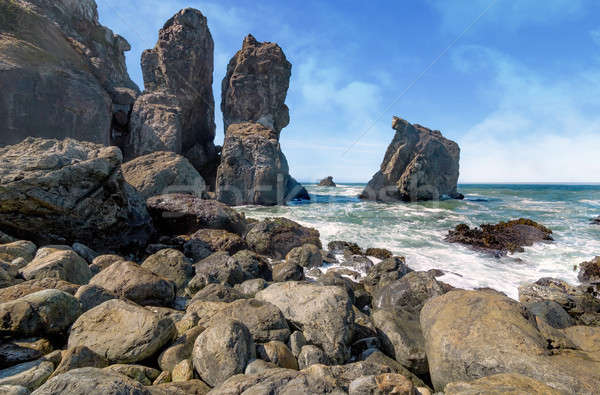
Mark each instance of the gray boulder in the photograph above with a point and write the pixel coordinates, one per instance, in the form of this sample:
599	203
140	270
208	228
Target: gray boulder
385	272
14	352
308	256
276	237
121	331
180	350
29	374
92	295
172	265
79	357
216	292
327	182
502	383
28	287
286	271
57	263
54	192
419	164
311	355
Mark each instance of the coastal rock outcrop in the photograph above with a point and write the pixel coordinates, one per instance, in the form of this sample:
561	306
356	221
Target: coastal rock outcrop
62	73
176	111
589	272
596	221
501	238
327	182
419	164
61	192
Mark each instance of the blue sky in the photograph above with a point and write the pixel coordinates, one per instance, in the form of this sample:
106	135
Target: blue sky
519	90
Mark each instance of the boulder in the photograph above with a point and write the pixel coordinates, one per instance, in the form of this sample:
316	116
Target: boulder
255	86
254	170
419	164
86	381
264	320
323	313
552	313
311	355
218	240
277	353
85	252
501	238
48	312
62	264
503	383
276	237
28	287
307	255
29	374
65	191
183	371
379	253
180	350
172	265
101	262
176	111
343	375
18	249
121	331
342	247
183	214
249	288
216	292
253	266
296	342
13	390
92	295
139	373
379	358
327	182
286	271
473	334
129	280
163	172
217	268
190	387
222	351
385	272
596	221
589	272
259	366
79	357
13	352
387	383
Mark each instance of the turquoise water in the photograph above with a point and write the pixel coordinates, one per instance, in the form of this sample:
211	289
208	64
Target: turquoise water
417	230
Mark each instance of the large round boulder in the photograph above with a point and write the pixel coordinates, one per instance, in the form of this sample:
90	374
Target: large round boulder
64	264
276	237
172	265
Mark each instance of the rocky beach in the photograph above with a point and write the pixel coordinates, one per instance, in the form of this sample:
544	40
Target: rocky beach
139	257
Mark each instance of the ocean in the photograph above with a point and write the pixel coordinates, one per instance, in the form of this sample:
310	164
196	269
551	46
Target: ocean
417	230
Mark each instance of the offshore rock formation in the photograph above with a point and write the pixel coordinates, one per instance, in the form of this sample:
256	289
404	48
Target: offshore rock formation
327	182
176	111
596	221
62	73
419	164
255	86
253	169
66	191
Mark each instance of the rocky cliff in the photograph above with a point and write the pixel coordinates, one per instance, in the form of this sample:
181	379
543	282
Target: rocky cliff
62	73
419	164
176	111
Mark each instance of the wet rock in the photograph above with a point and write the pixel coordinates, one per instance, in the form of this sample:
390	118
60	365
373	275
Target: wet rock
44	312
139	373
222	351
91	295
276	237
501	384
327	182
340	247
286	271
277	352
501	238
589	272
183	214
121	331
323	313
86	381
17	351
419	164
172	265
62	264
379	253
219	240
254	170
176	112
311	355
131	281
216	292
69	191
79	357
163	172
28	287
308	256
385	272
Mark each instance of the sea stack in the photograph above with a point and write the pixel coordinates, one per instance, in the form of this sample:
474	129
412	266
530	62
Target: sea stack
176	111
253	168
419	164
327	182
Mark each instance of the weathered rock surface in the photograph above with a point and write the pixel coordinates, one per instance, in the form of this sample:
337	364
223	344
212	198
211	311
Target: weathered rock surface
222	351
501	238
255	86
56	56
385	272
217	240
473	334
79	357
253	168
29	374
176	111
589	272
419	164
327	182
276	237
163	172
308	256
14	352
179	214
190	387
217	292
92	295
56	192
387	383
63	264
596	221
139	373
17	249
287	271
87	381
277	353
180	350
28	287
131	281
323	313
504	383
121	331
311	355
172	265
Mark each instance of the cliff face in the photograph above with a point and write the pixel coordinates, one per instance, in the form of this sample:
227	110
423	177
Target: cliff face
419	164
62	73
176	111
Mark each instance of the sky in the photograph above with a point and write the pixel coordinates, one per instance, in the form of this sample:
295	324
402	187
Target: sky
516	83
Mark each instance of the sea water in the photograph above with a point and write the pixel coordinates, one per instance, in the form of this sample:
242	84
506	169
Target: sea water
417	230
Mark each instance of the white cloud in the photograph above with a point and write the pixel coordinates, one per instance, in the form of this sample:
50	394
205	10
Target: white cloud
542	129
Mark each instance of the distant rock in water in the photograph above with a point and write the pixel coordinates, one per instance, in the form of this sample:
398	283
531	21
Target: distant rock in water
419	164
61	192
327	182
255	86
596	221
176	111
253	169
62	73
501	238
